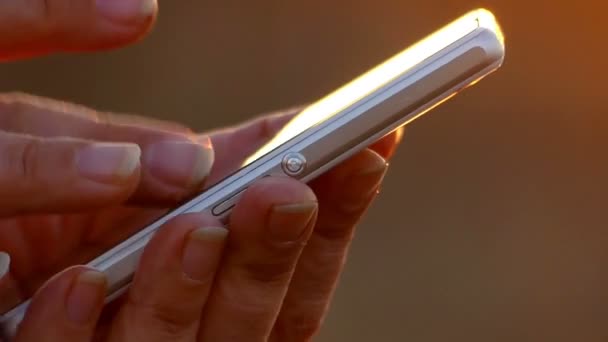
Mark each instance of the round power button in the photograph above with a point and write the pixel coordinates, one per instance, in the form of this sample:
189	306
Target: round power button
293	164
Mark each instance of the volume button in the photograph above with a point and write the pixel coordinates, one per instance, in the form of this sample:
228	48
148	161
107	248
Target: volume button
227	204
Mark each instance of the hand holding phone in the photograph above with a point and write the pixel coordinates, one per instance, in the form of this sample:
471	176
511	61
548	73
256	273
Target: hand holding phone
336	127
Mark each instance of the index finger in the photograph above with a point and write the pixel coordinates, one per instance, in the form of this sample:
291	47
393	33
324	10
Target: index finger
174	161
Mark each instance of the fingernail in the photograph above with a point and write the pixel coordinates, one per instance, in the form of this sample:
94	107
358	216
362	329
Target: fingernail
365	185
11	294
180	163
126	10
289	222
372	179
202	252
108	162
86	297
5	263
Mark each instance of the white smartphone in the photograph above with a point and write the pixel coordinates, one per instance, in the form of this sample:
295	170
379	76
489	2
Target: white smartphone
324	134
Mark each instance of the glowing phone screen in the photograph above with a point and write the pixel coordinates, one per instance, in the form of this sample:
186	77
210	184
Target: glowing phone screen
374	79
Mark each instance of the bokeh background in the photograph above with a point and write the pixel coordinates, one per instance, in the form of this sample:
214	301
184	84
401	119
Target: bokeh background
492	225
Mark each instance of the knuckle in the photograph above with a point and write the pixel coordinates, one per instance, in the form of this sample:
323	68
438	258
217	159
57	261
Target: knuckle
341	230
268	272
355	206
22	160
29	160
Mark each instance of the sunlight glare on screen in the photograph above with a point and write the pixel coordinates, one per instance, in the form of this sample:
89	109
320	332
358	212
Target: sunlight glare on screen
378	77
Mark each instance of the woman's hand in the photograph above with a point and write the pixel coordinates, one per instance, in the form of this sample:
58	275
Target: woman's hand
70	177
271	278
75	182
68	174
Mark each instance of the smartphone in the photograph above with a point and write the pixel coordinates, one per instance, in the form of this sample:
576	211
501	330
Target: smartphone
332	129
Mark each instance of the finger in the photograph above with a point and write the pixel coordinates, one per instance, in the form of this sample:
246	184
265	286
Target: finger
29	28
387	146
268	229
43	175
24	113
168	293
65	309
36	244
233	145
10	293
344	194
175	162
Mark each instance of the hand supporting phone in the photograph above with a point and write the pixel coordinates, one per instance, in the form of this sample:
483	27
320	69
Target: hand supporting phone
389	96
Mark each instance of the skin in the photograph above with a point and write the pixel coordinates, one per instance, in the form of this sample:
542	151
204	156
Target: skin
270	277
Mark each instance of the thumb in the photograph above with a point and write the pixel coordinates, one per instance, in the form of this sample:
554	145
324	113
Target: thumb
34	27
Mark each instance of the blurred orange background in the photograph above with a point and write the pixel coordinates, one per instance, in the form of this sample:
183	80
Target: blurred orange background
492	225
